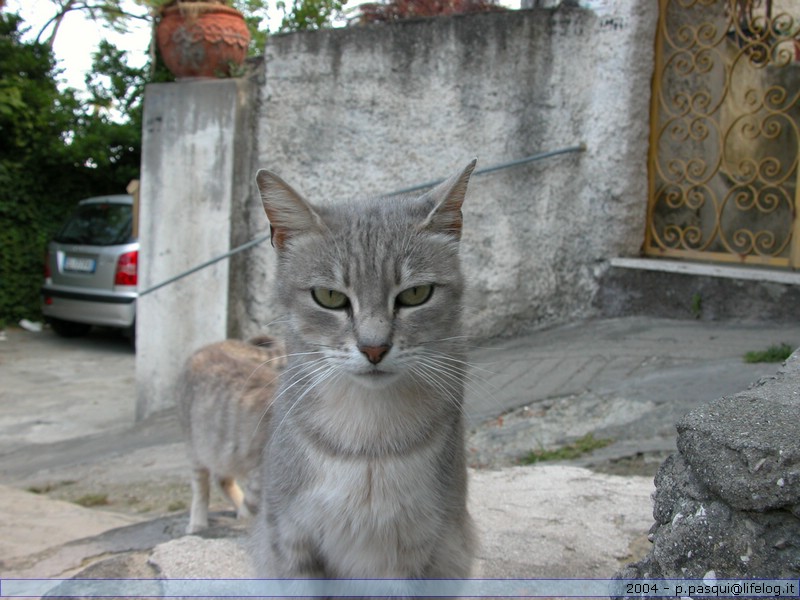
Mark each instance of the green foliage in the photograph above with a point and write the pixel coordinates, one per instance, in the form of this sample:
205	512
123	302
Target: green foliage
576	449
91	500
696	306
54	150
176	505
773	354
110	127
304	15
256	17
33	117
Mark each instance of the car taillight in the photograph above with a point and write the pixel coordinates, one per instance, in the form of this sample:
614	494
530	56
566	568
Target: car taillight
126	269
47	273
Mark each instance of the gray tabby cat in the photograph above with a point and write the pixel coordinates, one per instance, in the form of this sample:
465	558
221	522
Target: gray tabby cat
366	475
223	396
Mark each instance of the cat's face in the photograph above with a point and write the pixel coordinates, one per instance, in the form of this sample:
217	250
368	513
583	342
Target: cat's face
373	289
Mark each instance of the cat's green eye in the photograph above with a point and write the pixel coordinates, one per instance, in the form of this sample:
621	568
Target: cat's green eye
329	298
414	296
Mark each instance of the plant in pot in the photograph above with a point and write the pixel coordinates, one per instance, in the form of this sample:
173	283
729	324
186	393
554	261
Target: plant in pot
200	38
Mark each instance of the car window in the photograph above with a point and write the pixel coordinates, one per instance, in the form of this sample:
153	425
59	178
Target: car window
98	225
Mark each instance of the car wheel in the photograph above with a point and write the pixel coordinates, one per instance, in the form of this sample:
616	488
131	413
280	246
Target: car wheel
69	329
130	333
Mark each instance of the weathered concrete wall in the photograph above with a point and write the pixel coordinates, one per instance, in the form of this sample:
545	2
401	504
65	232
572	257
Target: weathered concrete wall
190	152
365	111
727	505
626	292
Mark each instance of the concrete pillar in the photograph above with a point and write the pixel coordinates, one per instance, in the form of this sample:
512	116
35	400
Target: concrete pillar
188	184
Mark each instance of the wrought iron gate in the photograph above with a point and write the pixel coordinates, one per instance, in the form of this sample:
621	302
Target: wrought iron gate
725	132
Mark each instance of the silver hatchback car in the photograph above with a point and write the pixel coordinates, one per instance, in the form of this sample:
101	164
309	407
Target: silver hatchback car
91	269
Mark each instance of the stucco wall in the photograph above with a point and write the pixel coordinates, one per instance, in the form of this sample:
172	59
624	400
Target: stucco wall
365	111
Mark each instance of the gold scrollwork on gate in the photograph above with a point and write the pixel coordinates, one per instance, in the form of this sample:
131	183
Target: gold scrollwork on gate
725	132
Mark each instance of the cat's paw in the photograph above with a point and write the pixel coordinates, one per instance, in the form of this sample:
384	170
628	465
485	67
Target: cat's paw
195	527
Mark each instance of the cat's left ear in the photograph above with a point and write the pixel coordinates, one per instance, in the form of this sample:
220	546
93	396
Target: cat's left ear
288	213
447	198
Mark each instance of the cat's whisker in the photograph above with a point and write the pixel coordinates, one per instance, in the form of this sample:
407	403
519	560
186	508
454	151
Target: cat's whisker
458	375
281	357
302	371
452	359
452	338
266	363
469	371
453	376
430	379
474	385
277	320
285	389
318	365
262	365
299	366
461	369
294	354
318	375
466	339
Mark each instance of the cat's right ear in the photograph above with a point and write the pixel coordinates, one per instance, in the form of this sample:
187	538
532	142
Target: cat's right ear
288	213
447	198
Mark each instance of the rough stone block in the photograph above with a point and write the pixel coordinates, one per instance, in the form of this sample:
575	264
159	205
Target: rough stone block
746	448
727	505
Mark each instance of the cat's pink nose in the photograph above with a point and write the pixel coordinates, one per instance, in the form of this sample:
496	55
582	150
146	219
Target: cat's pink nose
374	354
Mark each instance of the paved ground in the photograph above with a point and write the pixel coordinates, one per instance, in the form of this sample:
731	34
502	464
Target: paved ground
67	432
628	380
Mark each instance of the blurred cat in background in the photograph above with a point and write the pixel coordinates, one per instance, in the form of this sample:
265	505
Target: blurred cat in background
223	398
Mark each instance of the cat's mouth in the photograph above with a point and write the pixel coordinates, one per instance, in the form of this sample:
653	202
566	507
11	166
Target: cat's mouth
377	373
374	376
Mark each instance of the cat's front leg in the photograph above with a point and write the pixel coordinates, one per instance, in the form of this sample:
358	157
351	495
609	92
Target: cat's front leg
296	560
295	565
236	496
198	515
281	547
252	492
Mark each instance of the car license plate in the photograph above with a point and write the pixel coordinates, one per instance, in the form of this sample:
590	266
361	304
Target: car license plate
78	264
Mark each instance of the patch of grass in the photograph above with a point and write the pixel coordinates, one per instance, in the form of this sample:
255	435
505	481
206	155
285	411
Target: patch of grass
696	306
176	506
90	500
49	487
773	354
576	449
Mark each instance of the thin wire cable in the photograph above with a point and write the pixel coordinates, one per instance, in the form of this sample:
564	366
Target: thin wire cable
208	263
256	241
498	167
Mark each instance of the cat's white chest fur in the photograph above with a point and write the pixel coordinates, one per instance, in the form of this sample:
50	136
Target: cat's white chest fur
379	509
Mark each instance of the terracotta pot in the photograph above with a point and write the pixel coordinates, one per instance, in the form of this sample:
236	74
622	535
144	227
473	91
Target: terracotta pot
202	39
